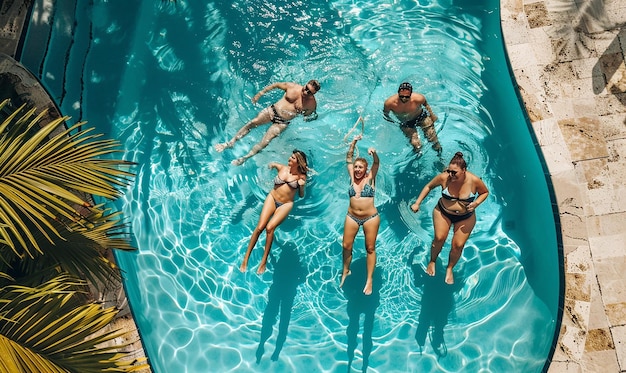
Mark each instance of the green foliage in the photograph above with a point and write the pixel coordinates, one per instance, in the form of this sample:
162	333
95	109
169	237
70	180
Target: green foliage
44	329
52	239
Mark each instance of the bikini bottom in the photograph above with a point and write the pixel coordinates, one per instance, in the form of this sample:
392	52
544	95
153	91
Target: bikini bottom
362	221
454	218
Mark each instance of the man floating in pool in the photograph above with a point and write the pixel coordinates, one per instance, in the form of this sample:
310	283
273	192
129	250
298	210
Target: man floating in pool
296	100
412	110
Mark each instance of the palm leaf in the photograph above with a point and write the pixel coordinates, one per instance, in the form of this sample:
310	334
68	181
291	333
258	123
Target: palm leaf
82	253
40	176
42	330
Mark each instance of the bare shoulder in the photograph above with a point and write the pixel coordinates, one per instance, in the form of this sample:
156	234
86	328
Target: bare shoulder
439	179
287	85
418	97
473	176
476	180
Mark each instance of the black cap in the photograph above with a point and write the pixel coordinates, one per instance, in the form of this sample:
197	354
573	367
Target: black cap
406	85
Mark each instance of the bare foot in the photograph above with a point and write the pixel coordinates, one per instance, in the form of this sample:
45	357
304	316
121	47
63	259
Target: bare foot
431	269
367	290
220	147
261	270
238	162
243	267
449	276
343	277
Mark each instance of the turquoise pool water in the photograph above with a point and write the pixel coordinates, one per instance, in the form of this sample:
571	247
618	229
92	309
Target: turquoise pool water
170	81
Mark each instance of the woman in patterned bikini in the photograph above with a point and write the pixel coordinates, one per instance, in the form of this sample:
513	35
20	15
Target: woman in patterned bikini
361	212
278	204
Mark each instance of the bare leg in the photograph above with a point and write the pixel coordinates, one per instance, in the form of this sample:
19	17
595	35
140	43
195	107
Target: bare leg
429	132
261	118
462	231
279	216
370	228
268	209
350	229
414	139
272	132
442	227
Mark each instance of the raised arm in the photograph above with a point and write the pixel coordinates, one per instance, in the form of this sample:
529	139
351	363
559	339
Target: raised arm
350	154
281	85
375	165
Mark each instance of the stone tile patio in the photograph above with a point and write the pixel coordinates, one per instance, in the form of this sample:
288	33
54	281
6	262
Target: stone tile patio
568	60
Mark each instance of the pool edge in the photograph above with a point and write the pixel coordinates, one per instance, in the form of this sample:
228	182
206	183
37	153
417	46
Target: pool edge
591	326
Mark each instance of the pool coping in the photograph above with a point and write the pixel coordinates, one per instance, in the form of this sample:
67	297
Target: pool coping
568	61
576	103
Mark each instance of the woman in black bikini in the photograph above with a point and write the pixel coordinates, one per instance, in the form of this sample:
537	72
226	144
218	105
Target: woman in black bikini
278	203
462	193
361	212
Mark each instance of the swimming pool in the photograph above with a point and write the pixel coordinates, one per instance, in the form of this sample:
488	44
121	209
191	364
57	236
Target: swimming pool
172	80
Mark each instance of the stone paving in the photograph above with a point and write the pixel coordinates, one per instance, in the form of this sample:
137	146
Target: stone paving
568	60
568	57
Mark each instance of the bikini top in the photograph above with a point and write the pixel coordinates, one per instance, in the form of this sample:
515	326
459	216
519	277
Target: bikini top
446	195
367	191
292	184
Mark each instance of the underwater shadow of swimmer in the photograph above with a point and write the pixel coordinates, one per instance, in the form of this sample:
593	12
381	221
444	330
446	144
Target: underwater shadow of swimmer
437	302
289	273
359	303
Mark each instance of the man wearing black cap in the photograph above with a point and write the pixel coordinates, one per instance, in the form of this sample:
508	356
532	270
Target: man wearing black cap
412	110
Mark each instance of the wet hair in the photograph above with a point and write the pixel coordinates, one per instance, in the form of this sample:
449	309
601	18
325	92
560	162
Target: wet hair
406	85
458	160
315	84
361	159
302	162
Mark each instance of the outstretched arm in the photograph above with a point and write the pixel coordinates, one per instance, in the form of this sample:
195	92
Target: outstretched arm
282	85
275	165
436	181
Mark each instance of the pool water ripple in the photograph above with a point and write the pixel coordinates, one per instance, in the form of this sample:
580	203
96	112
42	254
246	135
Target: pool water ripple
188	76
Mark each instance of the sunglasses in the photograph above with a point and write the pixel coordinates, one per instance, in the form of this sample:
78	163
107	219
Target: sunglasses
307	90
404	97
451	173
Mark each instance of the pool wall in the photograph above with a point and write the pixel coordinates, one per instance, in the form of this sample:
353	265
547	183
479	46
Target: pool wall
531	218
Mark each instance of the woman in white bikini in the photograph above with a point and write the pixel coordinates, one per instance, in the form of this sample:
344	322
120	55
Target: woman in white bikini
278	203
361	212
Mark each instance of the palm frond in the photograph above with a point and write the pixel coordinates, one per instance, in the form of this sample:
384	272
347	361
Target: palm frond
41	174
42	330
82	253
